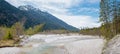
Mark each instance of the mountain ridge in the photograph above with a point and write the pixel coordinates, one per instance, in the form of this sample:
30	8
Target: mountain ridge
32	16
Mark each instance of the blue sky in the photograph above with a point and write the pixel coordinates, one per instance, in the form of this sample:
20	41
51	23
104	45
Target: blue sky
78	13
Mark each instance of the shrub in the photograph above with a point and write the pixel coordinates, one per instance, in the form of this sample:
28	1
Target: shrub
8	36
34	30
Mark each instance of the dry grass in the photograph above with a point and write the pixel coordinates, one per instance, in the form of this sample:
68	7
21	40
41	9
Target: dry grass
7	43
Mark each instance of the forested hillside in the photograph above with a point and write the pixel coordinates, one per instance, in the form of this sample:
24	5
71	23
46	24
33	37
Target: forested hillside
29	17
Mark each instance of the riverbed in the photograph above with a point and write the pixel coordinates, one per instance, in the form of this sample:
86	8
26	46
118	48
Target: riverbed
57	44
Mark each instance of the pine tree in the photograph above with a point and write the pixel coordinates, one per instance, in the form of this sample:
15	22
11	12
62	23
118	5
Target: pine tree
110	17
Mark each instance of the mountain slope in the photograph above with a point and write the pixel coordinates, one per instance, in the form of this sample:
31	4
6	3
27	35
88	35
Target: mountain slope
9	14
48	19
30	16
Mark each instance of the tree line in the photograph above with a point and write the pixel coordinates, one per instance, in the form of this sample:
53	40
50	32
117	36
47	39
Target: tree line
110	18
90	31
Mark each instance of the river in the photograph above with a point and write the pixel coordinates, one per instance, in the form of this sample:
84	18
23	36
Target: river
57	44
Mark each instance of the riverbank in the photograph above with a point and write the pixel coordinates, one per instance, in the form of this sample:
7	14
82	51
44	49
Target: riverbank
57	44
112	46
8	43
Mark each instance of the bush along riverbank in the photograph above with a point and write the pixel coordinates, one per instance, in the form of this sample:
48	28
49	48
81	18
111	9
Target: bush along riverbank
10	36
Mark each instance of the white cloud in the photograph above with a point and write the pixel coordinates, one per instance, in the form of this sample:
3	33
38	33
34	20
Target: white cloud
16	3
88	9
57	6
80	21
65	3
93	1
59	9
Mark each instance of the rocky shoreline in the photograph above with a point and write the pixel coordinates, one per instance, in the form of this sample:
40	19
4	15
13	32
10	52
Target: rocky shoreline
112	46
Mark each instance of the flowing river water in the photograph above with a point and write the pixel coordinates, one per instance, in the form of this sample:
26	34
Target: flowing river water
57	44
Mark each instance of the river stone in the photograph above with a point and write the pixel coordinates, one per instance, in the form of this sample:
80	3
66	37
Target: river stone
113	46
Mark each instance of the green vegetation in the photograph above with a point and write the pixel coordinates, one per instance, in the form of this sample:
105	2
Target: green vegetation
17	29
90	31
61	31
5	33
110	18
9	36
12	33
35	29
